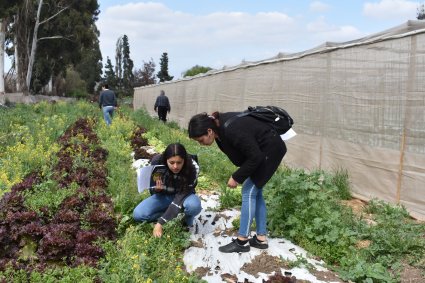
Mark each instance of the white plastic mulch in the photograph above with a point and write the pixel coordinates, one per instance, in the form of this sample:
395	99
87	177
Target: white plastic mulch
209	233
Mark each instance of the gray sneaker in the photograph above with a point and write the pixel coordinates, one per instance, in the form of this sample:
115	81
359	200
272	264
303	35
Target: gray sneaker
255	243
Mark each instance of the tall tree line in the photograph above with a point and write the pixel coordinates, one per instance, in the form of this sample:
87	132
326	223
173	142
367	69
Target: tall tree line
54	48
49	38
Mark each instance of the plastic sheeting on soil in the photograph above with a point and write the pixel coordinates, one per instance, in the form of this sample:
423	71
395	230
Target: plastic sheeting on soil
209	232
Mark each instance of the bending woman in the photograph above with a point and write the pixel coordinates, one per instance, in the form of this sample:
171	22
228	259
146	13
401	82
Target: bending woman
257	150
174	192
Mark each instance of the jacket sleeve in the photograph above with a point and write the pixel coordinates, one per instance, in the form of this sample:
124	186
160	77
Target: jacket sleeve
174	208
156	104
168	105
115	101
250	149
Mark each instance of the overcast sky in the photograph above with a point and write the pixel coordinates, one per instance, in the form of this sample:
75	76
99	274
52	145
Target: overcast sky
217	33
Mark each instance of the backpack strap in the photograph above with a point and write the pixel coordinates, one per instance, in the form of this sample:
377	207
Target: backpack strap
228	122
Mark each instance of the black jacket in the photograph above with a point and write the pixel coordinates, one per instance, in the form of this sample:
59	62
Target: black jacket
181	192
162	101
107	98
251	145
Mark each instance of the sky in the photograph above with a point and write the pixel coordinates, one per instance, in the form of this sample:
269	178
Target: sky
219	33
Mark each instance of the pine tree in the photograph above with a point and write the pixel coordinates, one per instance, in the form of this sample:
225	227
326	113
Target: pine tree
127	71
124	67
110	77
163	75
421	12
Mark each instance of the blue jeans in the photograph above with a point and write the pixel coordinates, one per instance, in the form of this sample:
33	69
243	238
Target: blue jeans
151	208
253	206
108	113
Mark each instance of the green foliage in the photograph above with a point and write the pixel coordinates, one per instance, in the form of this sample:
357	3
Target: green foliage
128	77
195	70
81	274
48	195
28	137
139	257
163	75
395	234
122	178
124	67
74	85
230	198
66	33
340	179
146	75
305	207
110	77
362	271
90	65
421	12
299	262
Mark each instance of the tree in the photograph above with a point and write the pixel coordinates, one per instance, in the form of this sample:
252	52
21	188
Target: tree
7	9
124	66
127	71
421	12
3	23
118	62
195	70
50	36
163	75
110	77
90	66
146	75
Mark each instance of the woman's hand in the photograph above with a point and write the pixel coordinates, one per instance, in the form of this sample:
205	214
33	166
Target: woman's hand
232	183
158	186
157	230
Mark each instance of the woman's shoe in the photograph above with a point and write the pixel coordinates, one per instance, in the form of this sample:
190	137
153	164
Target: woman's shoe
255	243
234	247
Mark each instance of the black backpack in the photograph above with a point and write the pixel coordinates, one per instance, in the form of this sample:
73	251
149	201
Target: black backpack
277	117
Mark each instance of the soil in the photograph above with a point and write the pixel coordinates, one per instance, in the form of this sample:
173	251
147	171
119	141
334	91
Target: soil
412	275
268	264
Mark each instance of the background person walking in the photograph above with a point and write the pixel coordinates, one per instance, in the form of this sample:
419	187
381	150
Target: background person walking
108	103
162	106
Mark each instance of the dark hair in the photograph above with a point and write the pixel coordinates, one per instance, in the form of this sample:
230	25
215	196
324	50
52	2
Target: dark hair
105	85
200	123
188	170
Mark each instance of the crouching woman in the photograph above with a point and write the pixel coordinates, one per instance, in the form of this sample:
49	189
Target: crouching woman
174	192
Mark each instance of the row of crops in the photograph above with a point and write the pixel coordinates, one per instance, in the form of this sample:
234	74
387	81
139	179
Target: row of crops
68	190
